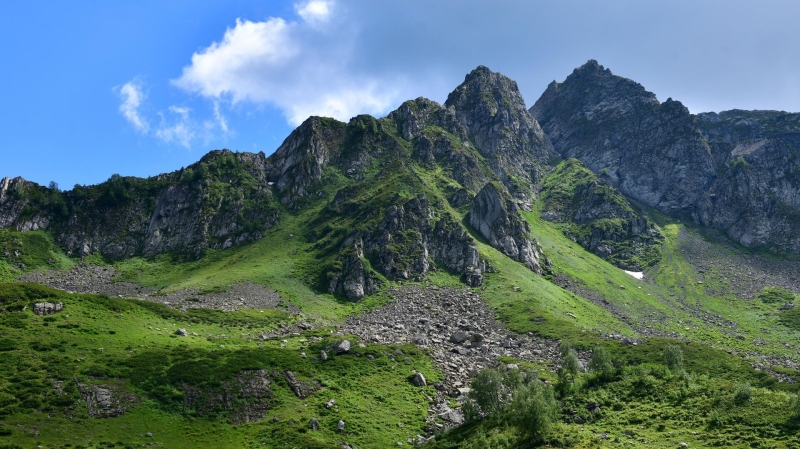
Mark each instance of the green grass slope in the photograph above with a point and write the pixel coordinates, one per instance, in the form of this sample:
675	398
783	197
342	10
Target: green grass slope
132	345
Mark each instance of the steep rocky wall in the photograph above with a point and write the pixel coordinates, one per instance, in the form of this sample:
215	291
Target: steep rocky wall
491	109
756	197
736	171
222	200
496	217
651	151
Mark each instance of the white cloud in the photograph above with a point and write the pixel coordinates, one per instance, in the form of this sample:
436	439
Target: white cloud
300	68
315	11
228	67
223	124
181	130
132	97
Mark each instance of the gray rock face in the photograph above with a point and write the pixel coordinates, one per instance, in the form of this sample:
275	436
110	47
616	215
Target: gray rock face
756	198
651	151
222	200
495	216
301	389
105	401
47	308
343	347
491	109
426	124
246	398
302	158
410	236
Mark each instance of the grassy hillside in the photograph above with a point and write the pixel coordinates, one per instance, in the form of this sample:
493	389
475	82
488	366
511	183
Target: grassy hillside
131	346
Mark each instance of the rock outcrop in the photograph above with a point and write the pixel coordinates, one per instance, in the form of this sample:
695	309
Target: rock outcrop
735	171
106	401
411	239
47	308
596	216
496	217
651	151
245	399
220	201
756	198
490	107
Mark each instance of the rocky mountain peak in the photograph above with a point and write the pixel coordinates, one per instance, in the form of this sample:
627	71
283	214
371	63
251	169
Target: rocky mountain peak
490	107
652	152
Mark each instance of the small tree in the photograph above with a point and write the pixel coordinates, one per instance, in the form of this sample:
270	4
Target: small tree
571	364
600	362
564	348
673	358
533	411
485	395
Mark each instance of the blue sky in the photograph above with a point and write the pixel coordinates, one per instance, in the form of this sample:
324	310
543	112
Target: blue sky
139	88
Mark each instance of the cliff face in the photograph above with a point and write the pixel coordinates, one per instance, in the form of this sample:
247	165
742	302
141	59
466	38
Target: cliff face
651	151
734	171
756	198
220	201
496	217
491	109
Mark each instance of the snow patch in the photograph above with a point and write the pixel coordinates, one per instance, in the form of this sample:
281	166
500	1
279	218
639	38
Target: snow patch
636	274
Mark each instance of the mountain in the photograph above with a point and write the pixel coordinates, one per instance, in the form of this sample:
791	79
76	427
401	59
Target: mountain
730	171
429	278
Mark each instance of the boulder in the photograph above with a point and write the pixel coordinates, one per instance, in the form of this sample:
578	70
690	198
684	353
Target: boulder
47	308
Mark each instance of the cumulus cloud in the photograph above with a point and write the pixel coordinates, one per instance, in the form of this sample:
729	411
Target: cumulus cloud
132	96
179	128
295	66
314	11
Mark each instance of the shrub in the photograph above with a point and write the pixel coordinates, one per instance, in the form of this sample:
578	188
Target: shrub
533	411
673	358
571	364
796	407
485	394
600	362
714	419
7	344
743	393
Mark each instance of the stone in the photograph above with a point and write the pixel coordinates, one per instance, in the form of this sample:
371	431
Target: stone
343	347
458	337
181	332
454	416
323	355
313	424
340	426
419	380
47	308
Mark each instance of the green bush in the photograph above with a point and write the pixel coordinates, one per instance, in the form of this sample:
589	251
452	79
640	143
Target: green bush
7	344
600	362
485	395
673	358
571	364
743	393
533	411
